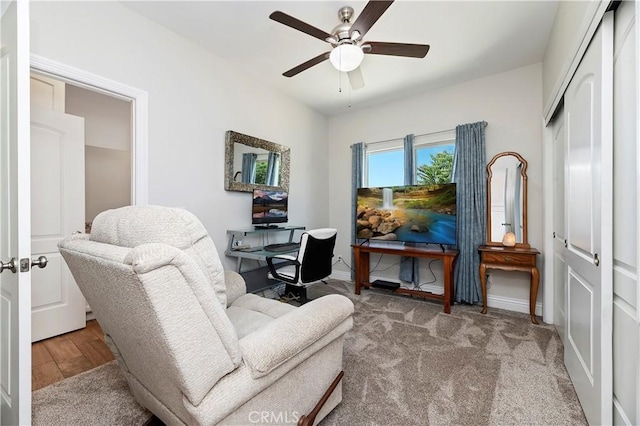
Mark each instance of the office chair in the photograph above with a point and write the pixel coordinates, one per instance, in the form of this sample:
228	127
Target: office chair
312	264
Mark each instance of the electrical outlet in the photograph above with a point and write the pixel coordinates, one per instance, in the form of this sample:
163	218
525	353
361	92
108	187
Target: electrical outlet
339	258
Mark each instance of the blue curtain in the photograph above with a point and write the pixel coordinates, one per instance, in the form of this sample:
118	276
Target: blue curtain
409	266
357	175
249	167
470	177
273	165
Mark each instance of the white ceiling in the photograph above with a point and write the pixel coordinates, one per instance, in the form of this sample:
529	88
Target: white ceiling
468	39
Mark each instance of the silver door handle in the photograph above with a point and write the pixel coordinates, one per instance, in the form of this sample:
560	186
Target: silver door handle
11	265
596	260
40	262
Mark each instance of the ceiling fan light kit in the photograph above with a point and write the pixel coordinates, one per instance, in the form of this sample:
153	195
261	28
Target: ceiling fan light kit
348	48
346	57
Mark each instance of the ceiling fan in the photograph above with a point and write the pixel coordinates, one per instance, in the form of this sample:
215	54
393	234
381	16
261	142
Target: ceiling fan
346	39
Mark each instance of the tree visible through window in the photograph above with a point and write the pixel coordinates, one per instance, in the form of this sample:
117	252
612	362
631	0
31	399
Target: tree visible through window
261	172
434	164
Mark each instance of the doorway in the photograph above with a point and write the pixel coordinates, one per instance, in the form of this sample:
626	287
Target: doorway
113	174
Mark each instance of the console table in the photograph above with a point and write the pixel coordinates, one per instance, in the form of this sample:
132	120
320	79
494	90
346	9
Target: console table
510	259
256	252
361	254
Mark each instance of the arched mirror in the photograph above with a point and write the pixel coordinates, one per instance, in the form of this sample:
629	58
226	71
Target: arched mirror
507	200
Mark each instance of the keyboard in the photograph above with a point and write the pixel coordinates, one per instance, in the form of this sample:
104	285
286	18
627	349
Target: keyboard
280	247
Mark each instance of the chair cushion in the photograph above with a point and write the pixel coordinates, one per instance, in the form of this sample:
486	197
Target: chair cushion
135	225
250	313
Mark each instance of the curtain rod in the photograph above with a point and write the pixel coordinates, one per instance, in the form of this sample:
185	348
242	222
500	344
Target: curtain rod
402	138
423	134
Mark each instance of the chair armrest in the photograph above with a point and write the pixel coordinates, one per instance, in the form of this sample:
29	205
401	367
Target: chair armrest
288	260
235	284
284	256
284	337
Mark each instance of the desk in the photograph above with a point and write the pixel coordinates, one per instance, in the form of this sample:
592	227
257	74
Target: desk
361	254
259	254
510	259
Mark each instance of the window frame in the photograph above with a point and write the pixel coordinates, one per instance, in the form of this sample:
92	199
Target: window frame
447	137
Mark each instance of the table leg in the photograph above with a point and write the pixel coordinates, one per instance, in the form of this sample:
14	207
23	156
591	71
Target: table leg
533	297
452	264
447	286
483	286
361	265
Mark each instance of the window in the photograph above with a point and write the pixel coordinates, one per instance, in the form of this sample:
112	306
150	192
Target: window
433	159
385	164
434	162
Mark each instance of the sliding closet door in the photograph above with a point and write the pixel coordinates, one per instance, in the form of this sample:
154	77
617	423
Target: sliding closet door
588	255
626	300
559	235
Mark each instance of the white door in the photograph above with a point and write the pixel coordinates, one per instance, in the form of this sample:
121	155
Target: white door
588	182
15	238
57	210
559	234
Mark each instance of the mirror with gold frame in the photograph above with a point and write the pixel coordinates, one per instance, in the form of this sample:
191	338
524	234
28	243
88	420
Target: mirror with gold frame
253	163
507	199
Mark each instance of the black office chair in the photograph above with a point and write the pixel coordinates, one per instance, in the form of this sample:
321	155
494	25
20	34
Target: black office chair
312	264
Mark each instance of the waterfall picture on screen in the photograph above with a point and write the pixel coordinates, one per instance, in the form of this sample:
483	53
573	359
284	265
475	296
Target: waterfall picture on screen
415	213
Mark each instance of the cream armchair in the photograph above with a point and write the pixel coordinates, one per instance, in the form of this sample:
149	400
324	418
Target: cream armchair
194	347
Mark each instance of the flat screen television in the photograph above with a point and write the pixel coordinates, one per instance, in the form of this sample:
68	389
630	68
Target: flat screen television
269	207
413	213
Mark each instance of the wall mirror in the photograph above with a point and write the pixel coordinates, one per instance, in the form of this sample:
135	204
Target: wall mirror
507	198
252	163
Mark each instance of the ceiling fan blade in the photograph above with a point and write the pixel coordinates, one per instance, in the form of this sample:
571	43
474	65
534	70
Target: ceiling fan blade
311	62
395	49
297	24
355	79
369	15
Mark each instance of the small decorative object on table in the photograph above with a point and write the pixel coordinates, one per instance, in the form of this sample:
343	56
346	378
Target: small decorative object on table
509	239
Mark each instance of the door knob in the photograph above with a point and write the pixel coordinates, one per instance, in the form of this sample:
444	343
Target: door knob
11	265
596	259
40	262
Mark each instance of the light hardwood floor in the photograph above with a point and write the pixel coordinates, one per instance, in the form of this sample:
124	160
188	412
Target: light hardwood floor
67	355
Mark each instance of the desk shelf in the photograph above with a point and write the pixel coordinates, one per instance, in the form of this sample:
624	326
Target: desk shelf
258	255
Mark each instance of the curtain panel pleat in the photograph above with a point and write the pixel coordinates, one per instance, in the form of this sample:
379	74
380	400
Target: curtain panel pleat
249	167
273	165
409	266
357	176
471	187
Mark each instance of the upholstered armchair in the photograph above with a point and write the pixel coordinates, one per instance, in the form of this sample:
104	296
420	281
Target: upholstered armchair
194	347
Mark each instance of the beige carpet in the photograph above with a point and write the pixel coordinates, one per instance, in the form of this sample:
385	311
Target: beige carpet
408	363
405	362
98	397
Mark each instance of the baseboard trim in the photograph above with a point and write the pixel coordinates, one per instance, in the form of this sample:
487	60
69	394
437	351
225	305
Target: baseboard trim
499	302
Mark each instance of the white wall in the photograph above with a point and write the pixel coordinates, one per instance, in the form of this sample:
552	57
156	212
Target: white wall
510	102
194	97
107	119
107	132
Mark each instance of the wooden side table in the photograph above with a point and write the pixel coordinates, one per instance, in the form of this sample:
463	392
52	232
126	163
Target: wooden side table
510	259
